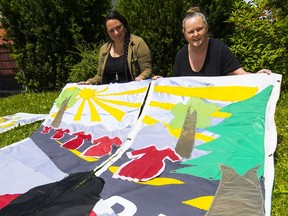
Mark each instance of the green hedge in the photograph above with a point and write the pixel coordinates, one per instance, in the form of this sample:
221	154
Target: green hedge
45	34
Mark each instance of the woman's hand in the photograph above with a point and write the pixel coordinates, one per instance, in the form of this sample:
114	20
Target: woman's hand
264	71
155	77
139	78
84	83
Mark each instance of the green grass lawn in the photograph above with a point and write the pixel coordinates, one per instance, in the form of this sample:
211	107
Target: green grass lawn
37	103
41	103
280	191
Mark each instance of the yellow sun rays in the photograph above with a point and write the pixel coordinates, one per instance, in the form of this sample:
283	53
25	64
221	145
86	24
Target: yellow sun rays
93	97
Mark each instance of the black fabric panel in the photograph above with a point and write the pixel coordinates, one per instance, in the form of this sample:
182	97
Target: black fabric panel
76	195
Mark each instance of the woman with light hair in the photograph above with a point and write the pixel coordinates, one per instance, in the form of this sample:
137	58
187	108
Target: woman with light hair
204	56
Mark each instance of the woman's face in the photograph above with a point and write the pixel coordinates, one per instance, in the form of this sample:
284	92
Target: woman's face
116	30
195	31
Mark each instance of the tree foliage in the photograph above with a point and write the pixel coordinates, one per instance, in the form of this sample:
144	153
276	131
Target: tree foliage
87	67
45	31
281	6
280	10
260	38
159	24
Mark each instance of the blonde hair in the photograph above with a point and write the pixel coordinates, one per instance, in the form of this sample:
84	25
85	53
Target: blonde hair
193	12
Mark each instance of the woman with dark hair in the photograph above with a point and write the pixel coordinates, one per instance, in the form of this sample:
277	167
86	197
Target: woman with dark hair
125	57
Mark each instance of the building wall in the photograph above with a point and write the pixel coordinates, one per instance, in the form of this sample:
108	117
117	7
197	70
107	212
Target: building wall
8	69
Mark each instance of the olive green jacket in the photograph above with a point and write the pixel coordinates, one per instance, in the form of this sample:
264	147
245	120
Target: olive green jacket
139	60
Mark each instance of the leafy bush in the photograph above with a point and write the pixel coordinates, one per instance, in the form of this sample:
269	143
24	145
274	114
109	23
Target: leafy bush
87	67
45	31
159	24
259	38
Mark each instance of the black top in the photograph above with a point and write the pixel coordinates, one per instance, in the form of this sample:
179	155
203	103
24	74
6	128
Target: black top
115	70
219	61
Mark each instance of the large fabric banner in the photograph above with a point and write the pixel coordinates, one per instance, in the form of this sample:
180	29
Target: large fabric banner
174	146
202	146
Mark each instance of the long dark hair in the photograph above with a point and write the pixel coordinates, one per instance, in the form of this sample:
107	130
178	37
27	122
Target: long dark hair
113	14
